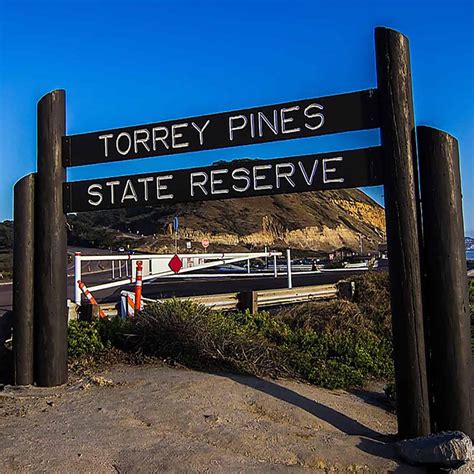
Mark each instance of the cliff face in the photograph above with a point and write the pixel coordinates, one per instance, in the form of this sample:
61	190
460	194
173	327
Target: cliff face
321	221
317	221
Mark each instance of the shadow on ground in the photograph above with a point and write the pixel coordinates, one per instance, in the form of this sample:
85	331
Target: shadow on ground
373	398
371	442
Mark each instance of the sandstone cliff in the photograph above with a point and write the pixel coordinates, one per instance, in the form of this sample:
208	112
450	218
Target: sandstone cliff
318	221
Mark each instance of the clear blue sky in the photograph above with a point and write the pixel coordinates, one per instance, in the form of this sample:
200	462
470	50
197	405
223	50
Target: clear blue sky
130	62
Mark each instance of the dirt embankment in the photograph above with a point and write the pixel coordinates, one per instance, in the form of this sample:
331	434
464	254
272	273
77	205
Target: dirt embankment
155	418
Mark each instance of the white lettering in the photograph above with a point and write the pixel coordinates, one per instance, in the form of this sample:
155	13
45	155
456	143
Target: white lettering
272	126
257	178
285	120
145	186
309	181
175	135
279	174
318	115
231	126
198	184
143	141
330	170
111	184
117	143
106	143
252	125
129	189
215	181
154	131
200	131
91	190
163	187
244	176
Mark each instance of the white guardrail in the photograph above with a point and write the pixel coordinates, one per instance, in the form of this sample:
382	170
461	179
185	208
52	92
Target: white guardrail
229	301
157	266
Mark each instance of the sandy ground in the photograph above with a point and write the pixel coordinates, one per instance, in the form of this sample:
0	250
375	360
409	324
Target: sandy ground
153	418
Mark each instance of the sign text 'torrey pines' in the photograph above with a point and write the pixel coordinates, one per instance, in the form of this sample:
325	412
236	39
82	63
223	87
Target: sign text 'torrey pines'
299	119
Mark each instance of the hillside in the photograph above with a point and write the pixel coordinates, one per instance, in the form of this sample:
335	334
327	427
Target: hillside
317	221
6	243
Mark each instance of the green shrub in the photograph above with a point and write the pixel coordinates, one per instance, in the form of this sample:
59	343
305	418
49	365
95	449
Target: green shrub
84	338
337	359
333	315
330	344
333	344
197	336
372	296
89	338
336	344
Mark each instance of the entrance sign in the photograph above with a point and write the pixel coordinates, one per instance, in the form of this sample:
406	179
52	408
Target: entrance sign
389	108
299	119
241	178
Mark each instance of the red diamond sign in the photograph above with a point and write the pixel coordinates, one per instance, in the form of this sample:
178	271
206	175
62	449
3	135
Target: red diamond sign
175	264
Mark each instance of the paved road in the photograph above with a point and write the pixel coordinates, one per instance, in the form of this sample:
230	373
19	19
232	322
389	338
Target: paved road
206	286
191	286
95	274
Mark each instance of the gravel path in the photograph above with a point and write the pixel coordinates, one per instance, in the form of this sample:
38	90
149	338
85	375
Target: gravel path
153	418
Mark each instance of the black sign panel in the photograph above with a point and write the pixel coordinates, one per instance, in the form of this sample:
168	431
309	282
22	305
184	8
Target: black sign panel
304	118
240	178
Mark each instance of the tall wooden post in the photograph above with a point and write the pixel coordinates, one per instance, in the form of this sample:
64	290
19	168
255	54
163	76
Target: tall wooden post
398	142
50	245
23	279
446	299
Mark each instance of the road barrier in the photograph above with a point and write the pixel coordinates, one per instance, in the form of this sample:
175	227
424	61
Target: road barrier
89	296
127	305
138	286
229	301
156	266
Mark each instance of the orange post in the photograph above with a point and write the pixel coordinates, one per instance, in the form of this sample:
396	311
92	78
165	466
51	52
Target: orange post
138	286
89	297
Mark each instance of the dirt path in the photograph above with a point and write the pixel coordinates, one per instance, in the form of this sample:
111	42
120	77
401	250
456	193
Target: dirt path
156	418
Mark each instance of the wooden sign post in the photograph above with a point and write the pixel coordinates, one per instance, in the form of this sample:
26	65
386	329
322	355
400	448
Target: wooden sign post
50	245
398	141
446	299
23	280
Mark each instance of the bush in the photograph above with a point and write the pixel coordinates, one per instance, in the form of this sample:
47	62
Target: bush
330	344
372	296
197	336
84	338
333	315
333	344
92	337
